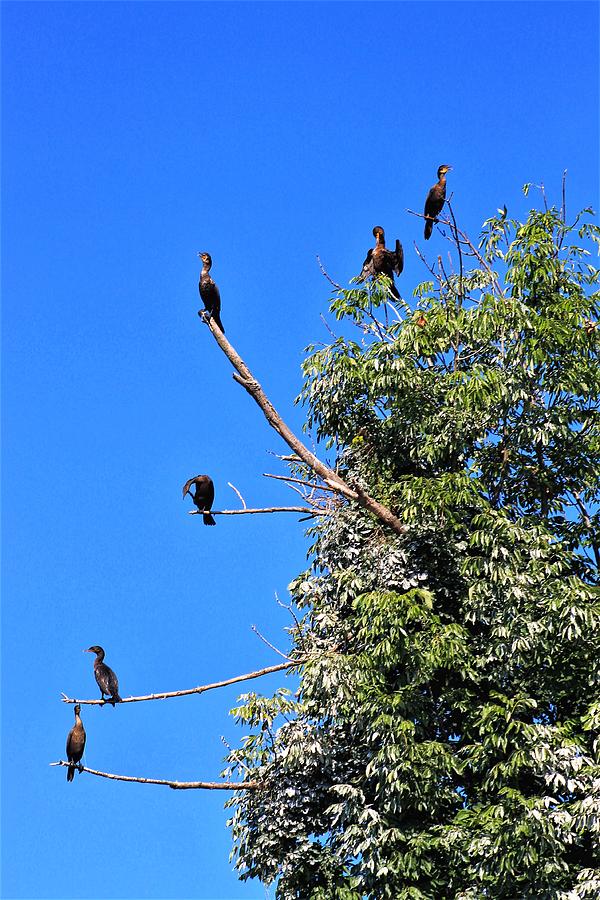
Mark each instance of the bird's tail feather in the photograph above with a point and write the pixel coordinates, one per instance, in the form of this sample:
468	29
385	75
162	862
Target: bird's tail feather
217	321
70	773
428	228
206	517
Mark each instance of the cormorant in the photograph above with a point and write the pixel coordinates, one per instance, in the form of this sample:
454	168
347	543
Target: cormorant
435	200
203	497
209	292
105	677
75	744
381	261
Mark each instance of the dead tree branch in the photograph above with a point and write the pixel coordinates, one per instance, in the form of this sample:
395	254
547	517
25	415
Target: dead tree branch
233	488
197	690
175	785
244	376
253	512
311	484
327	276
269	644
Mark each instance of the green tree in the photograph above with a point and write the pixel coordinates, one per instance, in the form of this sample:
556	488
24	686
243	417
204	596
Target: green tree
443	741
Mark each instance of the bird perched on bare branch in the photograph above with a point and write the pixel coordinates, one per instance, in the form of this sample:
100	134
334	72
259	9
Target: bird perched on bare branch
435	200
209	292
203	496
75	744
105	677
381	261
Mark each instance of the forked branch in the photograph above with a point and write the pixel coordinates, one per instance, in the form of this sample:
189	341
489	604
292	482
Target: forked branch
175	785
244	376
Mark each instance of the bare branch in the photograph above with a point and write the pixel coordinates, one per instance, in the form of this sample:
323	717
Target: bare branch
175	785
253	512
269	644
324	321
294	617
463	238
197	690
284	457
244	376
461	294
327	276
318	487
233	488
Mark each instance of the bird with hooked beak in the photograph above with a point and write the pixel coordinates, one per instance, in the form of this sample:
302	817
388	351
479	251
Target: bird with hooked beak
75	744
435	200
209	292
106	679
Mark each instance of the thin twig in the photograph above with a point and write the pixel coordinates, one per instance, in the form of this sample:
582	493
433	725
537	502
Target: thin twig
294	617
233	488
235	762
427	266
244	377
197	690
327	276
394	309
563	211
175	785
325	323
269	644
311	484
461	294
474	252
286	457
252	512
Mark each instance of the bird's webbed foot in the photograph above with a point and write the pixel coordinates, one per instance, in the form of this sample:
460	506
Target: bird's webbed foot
205	315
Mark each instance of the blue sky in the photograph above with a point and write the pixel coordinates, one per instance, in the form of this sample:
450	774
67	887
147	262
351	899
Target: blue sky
134	135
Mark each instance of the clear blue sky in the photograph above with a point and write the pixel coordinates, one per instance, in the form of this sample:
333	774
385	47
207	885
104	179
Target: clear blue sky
135	135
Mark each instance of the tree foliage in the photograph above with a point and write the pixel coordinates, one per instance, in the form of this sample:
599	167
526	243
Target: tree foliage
443	741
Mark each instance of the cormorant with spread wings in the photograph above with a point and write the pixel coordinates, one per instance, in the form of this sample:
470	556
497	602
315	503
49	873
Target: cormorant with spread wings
381	261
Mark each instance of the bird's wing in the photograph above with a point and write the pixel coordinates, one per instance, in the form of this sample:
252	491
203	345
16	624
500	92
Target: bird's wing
399	258
112	682
367	266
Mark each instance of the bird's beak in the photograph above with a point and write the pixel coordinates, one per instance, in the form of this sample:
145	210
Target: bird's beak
86	651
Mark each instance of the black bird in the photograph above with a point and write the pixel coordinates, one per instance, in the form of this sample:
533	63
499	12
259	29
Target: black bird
203	497
381	261
209	292
75	744
105	677
435	200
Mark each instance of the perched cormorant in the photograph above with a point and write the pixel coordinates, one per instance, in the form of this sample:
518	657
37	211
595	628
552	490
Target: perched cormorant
105	677
381	261
203	497
435	200
209	292
75	744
